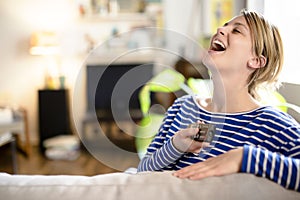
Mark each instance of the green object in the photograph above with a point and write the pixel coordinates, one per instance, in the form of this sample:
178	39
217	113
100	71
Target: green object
202	87
148	127
281	102
283	105
273	98
167	81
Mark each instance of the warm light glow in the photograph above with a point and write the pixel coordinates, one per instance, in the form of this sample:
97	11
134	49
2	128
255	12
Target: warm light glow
44	43
40	50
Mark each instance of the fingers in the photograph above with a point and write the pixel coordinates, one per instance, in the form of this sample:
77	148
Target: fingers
195	147
182	139
197	171
223	164
189	132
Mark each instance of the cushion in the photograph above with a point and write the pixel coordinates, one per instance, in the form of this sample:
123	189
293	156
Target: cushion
145	185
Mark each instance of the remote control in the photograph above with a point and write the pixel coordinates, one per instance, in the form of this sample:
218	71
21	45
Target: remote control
206	132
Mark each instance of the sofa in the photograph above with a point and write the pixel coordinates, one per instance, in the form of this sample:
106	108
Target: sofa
145	185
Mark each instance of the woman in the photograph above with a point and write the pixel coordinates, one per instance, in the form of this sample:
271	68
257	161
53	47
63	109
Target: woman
244	54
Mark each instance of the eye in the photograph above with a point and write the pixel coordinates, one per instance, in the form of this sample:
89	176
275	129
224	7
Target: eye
235	30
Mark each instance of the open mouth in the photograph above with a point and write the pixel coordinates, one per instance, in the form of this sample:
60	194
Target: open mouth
218	46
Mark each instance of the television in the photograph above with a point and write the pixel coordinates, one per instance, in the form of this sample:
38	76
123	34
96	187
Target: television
113	91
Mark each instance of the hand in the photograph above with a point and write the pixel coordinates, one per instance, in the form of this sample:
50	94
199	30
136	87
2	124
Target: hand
183	142
227	163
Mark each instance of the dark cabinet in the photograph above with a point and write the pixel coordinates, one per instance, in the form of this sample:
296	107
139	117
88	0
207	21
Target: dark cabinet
54	116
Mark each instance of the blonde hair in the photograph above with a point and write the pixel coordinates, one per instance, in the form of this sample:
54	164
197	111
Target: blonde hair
266	42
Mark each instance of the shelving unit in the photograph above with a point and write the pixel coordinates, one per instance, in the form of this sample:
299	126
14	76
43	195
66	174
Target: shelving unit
121	17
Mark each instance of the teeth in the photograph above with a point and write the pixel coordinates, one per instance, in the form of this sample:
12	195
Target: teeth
219	43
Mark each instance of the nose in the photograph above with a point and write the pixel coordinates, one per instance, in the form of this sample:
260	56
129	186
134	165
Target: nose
221	30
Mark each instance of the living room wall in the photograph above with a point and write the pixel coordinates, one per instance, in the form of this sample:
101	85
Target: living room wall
22	74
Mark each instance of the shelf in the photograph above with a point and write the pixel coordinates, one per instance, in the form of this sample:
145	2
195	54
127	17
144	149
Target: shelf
120	17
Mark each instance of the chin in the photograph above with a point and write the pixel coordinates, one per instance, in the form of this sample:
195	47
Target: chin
210	62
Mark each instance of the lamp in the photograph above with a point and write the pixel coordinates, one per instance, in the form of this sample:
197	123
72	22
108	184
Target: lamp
45	43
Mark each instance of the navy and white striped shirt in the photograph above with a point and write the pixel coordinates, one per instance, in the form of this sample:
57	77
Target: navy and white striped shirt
271	141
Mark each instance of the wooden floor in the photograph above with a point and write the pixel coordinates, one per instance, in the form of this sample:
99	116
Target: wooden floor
37	163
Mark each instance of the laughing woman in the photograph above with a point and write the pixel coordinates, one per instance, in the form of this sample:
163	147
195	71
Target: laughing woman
244	54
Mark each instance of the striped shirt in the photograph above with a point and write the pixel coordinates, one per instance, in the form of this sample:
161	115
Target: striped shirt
269	137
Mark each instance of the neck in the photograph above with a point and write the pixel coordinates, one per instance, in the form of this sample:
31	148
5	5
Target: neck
231	97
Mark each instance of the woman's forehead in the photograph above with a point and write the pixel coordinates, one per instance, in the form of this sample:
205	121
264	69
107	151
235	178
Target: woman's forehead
238	19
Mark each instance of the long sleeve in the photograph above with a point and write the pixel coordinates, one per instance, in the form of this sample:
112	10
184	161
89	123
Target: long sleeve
161	153
281	169
160	159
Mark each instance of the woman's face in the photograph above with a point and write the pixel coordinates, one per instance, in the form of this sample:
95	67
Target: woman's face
231	49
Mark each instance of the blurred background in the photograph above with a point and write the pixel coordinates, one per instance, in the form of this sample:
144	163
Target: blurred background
45	45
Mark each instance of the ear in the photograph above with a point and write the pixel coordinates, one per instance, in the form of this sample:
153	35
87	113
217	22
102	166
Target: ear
257	62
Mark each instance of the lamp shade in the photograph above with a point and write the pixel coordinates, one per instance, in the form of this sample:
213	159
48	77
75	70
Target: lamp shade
44	43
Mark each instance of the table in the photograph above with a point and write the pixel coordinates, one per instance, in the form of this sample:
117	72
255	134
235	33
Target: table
19	128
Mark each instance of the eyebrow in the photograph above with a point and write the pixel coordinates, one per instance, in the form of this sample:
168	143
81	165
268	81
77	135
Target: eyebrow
238	24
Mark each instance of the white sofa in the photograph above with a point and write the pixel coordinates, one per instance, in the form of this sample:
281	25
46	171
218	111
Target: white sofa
146	185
